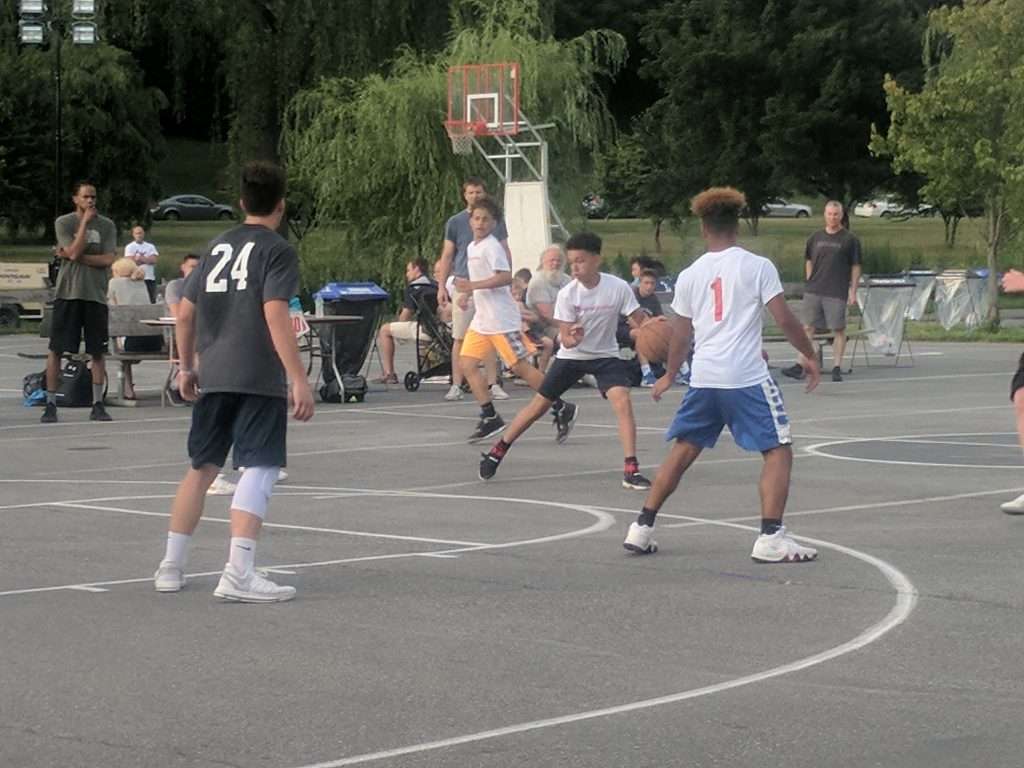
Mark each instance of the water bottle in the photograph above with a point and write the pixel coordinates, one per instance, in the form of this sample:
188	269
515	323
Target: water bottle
319	304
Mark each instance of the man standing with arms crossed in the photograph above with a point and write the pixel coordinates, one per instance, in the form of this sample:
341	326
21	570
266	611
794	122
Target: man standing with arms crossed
457	237
234	316
832	266
87	246
145	255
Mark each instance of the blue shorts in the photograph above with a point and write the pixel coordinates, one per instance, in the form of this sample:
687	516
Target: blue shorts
755	415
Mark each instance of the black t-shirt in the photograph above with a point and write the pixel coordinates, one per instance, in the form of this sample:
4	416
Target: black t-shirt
244	268
832	257
425	289
650	303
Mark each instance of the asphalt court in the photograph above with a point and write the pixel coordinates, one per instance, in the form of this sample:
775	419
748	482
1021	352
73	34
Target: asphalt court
443	621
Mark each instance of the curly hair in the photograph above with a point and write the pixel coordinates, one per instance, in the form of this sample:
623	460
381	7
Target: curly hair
719	208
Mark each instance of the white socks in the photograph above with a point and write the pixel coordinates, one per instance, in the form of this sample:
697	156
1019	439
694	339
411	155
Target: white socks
241	554
177	548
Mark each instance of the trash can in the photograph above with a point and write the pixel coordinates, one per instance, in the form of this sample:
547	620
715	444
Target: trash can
344	346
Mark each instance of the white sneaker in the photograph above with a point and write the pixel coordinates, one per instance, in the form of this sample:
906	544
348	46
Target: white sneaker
780	548
169	577
281	475
640	539
250	588
497	393
1015	507
454	393
220	486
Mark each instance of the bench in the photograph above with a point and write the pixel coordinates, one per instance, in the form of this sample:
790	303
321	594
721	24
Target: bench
123	320
822	338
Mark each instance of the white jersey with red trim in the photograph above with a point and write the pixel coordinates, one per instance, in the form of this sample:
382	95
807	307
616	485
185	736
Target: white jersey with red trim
724	294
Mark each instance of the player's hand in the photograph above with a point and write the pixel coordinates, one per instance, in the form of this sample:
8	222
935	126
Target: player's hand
1013	281
442	295
813	374
575	336
188	386
462	299
661	386
302	400
462	285
852	298
90	214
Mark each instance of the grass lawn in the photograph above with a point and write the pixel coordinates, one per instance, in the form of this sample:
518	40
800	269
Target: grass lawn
888	246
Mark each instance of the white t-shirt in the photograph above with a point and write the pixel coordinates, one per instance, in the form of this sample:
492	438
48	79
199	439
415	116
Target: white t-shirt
598	310
724	294
496	310
133	250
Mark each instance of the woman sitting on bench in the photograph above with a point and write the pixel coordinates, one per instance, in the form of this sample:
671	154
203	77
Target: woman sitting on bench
128	287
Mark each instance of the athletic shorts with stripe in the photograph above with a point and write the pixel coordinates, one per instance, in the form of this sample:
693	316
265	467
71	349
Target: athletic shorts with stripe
755	415
511	347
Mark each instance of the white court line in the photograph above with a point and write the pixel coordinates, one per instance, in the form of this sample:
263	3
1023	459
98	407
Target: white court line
282	526
847	508
864	416
906	599
816	450
603	522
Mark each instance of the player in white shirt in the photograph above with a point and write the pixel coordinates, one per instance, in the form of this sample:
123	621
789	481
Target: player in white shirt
496	325
720	299
145	255
587	311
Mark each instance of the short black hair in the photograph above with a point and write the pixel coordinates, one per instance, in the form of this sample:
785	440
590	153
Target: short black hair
190	257
584	241
421	264
649	273
489	205
81	183
645	262
524	274
262	187
473	181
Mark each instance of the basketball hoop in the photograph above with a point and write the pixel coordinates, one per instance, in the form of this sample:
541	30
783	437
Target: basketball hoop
462	135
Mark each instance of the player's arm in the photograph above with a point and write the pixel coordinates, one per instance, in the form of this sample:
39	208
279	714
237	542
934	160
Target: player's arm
73	250
185	338
570	333
638	318
444	269
279	323
795	335
855	273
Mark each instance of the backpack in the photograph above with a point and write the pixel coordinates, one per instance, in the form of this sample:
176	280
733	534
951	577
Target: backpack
355	389
33	387
74	390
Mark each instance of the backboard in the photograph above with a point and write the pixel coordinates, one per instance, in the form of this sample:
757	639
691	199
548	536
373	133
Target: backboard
483	99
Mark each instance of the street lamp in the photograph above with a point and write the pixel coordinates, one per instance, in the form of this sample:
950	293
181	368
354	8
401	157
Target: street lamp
36	20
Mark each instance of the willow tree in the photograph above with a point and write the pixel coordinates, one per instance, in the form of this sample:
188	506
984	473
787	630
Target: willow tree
964	130
370	157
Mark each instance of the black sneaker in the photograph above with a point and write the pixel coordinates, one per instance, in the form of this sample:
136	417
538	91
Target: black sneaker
794	371
99	413
837	374
49	414
635	481
564	419
489	465
486	427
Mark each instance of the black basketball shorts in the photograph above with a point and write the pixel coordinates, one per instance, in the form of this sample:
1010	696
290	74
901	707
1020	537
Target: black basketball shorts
74	317
256	425
562	374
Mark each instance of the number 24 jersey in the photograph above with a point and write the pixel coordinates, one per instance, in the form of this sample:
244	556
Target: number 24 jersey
724	294
243	268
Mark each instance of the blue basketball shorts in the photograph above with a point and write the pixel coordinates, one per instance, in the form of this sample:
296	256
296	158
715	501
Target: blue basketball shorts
755	415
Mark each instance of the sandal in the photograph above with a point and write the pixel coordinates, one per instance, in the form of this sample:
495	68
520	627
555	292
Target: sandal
390	378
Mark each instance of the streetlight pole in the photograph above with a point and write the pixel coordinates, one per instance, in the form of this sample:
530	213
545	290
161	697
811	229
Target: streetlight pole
36	19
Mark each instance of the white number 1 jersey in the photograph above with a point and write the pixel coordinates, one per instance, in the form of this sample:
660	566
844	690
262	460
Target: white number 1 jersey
724	294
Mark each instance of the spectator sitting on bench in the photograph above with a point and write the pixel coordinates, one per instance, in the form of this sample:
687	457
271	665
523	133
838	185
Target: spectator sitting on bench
127	288
406	327
543	289
172	293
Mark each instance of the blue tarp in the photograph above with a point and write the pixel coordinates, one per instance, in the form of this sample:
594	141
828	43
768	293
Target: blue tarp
351	292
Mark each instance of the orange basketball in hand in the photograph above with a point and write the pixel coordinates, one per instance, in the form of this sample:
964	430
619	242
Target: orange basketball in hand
652	339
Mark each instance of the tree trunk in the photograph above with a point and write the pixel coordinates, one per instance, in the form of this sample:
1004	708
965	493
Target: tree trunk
657	235
994	237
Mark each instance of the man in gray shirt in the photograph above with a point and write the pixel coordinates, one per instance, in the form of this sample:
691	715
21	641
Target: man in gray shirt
234	317
832	266
87	246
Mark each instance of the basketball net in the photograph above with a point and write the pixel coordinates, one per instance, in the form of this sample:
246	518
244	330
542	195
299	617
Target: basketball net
461	135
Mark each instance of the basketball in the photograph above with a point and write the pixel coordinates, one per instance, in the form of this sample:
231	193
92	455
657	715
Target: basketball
652	340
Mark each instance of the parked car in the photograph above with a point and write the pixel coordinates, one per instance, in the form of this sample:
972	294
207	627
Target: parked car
890	207
778	208
190	208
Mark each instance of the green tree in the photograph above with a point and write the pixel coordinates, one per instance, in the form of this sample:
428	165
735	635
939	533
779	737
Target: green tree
964	129
371	156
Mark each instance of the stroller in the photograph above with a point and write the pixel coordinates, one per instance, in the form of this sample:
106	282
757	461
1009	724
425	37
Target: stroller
433	346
